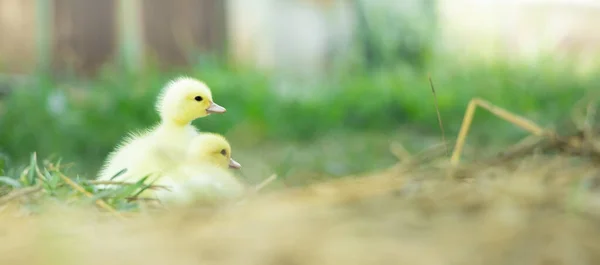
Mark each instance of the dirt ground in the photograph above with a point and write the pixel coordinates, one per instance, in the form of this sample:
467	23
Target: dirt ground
533	210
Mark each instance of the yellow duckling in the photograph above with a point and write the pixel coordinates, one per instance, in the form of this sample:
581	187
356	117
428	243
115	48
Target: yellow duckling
159	148
203	175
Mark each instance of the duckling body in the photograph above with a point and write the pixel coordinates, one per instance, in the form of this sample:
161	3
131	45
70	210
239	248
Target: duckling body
154	151
160	148
203	176
205	183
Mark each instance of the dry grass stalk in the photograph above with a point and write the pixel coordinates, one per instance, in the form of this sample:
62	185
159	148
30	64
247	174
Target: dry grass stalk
581	143
121	183
439	117
265	182
18	193
78	188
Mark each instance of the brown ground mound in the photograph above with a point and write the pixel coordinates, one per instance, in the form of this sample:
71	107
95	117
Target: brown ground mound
532	210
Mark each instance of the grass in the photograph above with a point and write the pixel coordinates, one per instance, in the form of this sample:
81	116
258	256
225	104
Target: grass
45	180
81	120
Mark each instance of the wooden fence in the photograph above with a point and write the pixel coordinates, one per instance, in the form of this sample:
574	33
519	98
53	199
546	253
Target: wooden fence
84	35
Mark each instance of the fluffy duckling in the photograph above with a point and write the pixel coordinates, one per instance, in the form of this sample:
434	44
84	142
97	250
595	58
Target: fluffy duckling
159	148
204	175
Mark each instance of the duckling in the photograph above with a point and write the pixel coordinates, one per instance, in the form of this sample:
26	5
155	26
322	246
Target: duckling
203	175
160	147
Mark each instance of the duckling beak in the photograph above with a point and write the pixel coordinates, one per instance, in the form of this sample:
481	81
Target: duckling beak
214	108
234	164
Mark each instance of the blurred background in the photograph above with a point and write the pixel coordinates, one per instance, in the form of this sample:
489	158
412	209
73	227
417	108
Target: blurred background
313	88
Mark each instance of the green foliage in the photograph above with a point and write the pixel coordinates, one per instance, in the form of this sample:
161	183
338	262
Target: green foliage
47	180
396	32
81	121
3	163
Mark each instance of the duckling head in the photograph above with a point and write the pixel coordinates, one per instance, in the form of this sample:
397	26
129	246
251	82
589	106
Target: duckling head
185	99
212	149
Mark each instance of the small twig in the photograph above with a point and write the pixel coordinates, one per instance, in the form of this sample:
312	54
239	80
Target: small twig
430	154
122	183
439	117
99	202
265	182
131	199
400	152
506	115
63	166
15	194
39	173
256	189
524	147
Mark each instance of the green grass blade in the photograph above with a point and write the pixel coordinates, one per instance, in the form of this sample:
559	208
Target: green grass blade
119	173
32	167
143	186
10	182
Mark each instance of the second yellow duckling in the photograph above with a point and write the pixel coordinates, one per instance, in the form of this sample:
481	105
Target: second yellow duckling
161	147
204	174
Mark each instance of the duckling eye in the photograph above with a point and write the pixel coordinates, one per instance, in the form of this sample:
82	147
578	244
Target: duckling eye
198	98
224	152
